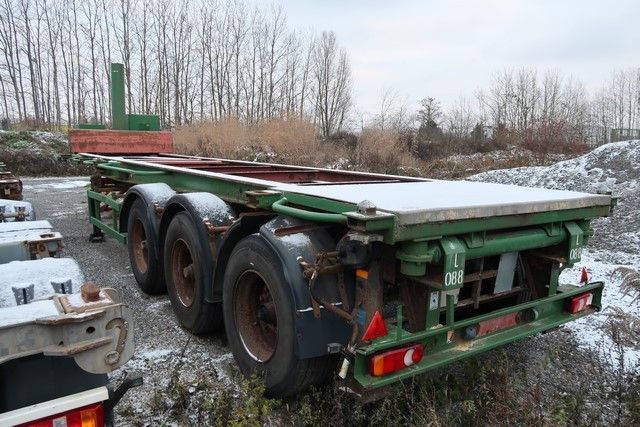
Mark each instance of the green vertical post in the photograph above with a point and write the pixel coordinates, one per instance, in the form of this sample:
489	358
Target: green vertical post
118	116
555	278
450	309
399	321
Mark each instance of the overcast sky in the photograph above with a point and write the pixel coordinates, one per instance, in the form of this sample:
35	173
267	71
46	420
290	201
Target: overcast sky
447	49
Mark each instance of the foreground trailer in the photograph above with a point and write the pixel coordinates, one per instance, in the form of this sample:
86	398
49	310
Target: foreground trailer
59	336
313	271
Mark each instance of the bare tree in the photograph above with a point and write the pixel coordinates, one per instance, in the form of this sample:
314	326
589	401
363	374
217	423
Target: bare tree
332	77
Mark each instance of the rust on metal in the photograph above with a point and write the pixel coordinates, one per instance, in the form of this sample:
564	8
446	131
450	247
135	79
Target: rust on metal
182	272
113	357
157	209
139	245
70	350
286	231
70	317
120	141
255	315
214	230
90	292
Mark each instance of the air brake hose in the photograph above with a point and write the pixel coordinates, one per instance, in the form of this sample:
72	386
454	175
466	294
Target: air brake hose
281	207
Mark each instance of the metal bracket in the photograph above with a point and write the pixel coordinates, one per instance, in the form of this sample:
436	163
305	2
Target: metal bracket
552	228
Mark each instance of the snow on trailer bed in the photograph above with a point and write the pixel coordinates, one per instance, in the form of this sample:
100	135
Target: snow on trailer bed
411	200
39	273
434	201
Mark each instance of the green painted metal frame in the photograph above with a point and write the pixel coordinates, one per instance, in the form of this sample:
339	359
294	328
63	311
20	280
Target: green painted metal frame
385	224
94	199
438	352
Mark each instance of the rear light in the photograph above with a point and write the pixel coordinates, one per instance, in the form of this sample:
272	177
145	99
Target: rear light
579	302
87	416
496	324
395	360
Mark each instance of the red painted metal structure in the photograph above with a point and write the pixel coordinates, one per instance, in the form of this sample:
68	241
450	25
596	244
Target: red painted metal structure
113	142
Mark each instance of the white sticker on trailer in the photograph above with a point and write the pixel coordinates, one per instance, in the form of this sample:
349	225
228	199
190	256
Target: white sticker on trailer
434	303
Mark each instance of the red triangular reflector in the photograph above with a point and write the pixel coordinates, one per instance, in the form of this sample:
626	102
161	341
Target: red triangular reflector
376	329
584	276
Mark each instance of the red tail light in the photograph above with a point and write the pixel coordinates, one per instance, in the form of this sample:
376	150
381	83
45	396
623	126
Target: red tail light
395	360
579	302
87	416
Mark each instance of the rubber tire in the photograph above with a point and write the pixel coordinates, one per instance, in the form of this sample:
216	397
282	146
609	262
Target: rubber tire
151	281
284	374
201	317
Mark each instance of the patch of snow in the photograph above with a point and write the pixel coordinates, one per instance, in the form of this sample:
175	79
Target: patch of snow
300	240
614	168
11	206
18	226
40	273
47	186
155	354
12	316
590	329
76	300
213	207
342	163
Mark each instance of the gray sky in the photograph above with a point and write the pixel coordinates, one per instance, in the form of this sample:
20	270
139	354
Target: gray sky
447	49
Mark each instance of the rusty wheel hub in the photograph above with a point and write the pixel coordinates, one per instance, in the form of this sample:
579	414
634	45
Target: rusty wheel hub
183	273
256	316
139	245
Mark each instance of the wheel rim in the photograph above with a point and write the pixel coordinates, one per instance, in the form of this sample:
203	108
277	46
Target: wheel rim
256	316
183	273
139	246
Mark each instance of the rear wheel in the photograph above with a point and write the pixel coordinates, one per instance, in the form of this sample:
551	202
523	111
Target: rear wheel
259	320
143	249
187	277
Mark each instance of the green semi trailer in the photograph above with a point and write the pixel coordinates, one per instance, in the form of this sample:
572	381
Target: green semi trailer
315	273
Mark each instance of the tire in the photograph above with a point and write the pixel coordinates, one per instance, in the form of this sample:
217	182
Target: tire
188	273
142	244
251	315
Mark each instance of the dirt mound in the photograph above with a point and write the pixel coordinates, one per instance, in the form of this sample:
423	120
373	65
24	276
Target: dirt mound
613	167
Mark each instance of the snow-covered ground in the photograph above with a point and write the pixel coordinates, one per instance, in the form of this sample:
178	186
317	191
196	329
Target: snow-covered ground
614	168
39	185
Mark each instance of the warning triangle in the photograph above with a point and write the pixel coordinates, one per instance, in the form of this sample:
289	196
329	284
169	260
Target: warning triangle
376	329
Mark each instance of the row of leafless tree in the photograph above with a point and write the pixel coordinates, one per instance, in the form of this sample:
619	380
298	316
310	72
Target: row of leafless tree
184	60
521	102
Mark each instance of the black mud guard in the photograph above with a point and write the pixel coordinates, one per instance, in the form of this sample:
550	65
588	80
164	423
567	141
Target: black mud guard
243	227
313	335
208	212
152	195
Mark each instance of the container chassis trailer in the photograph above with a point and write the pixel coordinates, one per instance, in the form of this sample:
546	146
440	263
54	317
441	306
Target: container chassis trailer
314	271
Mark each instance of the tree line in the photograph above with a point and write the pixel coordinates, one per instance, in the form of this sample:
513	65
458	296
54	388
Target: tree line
543	111
185	60
203	60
